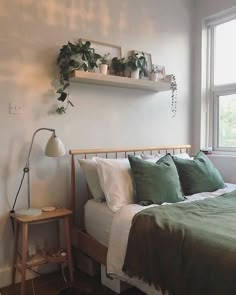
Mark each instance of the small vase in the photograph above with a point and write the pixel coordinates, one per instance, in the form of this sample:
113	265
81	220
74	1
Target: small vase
154	77
135	74
103	69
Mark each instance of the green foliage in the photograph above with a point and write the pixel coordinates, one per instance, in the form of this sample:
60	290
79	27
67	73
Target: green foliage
62	110
74	56
227	121
137	61
173	87
104	59
118	66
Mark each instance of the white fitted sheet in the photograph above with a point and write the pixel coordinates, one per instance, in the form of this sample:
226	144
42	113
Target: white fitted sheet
98	219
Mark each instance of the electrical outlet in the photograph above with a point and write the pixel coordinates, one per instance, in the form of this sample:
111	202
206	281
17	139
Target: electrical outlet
15	108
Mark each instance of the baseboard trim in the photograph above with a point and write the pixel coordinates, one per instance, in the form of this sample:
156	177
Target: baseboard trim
5	277
5	274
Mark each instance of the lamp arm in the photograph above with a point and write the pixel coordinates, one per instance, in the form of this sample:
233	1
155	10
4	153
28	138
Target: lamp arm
32	141
27	165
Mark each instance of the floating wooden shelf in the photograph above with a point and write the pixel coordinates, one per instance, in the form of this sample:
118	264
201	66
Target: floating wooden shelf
117	81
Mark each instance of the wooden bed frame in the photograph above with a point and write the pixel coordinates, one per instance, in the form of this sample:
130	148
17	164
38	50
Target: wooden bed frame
80	239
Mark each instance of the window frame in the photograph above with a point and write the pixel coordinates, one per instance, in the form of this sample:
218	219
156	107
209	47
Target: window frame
213	92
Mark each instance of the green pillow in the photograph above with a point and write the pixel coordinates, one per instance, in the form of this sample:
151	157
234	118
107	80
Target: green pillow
156	183
198	175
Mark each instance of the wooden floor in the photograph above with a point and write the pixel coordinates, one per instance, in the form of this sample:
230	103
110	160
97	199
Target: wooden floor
54	283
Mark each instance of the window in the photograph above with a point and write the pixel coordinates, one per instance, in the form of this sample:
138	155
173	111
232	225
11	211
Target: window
221	84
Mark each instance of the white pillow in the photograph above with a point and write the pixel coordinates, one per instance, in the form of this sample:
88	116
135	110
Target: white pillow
151	158
156	157
182	156
90	169
116	181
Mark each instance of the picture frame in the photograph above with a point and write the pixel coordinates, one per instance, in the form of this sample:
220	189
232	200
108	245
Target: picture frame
103	48
149	61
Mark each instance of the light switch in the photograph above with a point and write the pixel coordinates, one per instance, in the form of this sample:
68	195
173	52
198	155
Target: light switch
15	108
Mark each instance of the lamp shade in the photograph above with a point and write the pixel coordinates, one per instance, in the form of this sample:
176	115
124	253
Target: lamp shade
54	147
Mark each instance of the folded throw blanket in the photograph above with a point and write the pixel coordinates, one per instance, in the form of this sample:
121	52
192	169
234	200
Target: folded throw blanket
186	249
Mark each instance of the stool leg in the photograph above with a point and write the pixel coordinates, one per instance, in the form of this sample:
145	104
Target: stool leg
24	256
16	237
68	246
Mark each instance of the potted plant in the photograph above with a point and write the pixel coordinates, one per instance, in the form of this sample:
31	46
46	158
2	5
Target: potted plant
137	63
103	66
154	73
74	56
118	66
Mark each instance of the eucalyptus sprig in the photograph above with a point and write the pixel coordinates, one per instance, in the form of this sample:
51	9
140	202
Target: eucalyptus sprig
104	59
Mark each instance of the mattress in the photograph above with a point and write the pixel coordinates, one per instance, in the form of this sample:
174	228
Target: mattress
98	219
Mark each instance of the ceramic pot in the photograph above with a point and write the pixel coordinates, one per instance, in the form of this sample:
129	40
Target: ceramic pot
135	74
154	77
103	69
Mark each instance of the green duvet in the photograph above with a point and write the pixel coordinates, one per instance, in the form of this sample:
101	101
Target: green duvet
186	249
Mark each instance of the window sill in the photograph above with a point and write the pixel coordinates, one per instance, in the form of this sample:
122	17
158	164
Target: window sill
222	154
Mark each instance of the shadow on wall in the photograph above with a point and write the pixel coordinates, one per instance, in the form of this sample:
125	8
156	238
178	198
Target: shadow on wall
103	16
29	44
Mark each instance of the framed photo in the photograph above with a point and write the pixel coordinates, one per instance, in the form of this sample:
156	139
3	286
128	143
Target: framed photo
149	61
103	48
161	72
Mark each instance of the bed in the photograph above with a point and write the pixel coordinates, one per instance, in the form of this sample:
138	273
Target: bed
80	193
98	230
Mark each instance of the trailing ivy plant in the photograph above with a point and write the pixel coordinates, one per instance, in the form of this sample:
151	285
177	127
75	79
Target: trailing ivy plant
173	87
73	56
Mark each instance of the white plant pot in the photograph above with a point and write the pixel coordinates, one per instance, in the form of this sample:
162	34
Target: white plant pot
154	77
135	74
103	69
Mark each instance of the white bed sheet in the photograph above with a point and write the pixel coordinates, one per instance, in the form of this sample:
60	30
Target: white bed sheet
119	238
98	220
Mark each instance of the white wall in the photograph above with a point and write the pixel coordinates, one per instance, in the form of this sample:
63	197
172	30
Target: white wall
31	34
203	9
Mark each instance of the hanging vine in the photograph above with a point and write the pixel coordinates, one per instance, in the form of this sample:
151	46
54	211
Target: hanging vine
173	87
73	56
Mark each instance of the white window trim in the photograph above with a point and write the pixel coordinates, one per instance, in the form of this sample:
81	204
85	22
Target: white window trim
219	92
210	93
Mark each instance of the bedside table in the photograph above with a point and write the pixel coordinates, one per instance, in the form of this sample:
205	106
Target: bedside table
24	222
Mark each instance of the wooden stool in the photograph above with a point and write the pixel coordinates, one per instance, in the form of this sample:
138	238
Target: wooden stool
58	214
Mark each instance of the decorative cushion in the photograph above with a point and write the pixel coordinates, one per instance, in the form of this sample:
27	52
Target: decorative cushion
198	175
116	182
156	183
89	168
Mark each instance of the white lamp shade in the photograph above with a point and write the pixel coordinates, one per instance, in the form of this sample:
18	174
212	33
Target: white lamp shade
54	147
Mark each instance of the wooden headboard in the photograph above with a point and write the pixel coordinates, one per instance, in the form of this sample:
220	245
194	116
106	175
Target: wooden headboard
112	153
